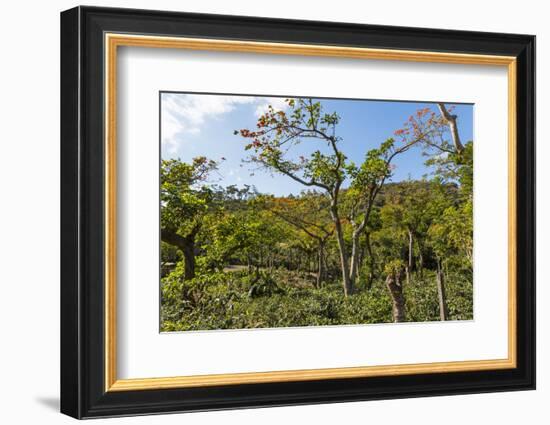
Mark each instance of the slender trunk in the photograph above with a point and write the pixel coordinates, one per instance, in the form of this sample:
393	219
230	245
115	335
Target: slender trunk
346	282
320	265
408	268
442	296
420	258
410	264
354	260
360	263
368	246
393	283
326	264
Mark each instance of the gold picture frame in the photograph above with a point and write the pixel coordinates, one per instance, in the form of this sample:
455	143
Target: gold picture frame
114	41
91	40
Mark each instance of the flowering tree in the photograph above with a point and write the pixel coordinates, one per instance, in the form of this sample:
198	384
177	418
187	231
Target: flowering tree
279	132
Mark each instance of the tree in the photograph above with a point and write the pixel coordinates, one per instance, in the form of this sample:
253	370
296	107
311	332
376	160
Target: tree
245	236
185	199
407	210
278	132
394	274
308	214
367	181
454	163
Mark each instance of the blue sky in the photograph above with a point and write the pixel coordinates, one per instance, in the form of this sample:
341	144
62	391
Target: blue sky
202	125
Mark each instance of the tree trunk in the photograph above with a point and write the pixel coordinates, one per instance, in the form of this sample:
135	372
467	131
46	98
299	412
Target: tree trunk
354	261
420	258
326	263
346	282
368	246
320	265
410	265
186	245
451	121
442	296
393	283
360	260
189	260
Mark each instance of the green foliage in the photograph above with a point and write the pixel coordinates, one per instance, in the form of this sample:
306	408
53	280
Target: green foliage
394	267
238	300
265	261
452	232
421	297
183	195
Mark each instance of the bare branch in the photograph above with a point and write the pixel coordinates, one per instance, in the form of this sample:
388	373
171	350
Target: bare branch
295	177
451	121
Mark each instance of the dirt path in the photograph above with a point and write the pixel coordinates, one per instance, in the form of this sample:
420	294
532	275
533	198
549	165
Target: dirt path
234	268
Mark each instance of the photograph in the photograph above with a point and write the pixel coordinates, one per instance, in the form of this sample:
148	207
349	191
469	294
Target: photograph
293	211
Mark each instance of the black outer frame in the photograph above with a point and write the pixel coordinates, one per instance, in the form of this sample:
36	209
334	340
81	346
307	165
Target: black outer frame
82	207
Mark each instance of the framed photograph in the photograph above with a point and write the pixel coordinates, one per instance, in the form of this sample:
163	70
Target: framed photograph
261	212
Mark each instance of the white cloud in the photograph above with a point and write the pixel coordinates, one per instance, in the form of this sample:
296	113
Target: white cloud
278	103
185	114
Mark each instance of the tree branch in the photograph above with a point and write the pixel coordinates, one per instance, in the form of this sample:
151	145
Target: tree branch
451	121
298	179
